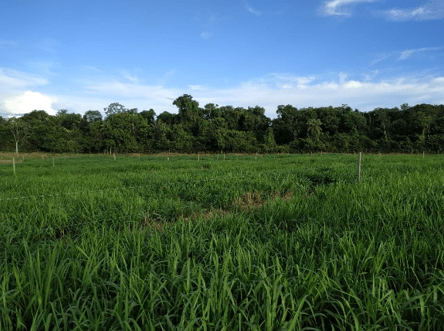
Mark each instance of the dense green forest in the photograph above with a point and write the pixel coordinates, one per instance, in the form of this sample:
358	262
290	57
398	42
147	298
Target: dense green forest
225	128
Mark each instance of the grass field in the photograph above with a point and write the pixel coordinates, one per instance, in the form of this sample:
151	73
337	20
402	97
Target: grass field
280	242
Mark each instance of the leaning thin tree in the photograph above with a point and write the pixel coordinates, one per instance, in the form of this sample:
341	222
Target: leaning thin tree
19	131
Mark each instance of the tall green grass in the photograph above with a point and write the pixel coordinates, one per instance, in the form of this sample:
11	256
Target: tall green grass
150	244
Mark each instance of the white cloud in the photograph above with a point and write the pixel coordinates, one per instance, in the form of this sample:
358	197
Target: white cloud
353	84
139	95
341	7
27	102
431	10
251	9
17	95
408	53
277	89
269	91
360	94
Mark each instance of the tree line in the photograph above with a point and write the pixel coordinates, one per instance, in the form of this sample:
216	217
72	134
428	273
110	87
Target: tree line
215	128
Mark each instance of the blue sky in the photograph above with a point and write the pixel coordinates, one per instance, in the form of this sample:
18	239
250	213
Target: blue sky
83	55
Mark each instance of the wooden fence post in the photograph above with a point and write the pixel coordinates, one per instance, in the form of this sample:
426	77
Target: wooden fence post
359	167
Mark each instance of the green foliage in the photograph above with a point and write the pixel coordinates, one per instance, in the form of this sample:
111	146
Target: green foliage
93	116
214	128
269	142
314	128
114	108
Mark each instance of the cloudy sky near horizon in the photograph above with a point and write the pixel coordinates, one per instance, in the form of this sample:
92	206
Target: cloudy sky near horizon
85	54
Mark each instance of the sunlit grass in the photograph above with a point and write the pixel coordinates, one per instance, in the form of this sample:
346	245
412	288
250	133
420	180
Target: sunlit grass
154	244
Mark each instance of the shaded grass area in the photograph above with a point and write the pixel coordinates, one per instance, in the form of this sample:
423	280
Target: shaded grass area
276	243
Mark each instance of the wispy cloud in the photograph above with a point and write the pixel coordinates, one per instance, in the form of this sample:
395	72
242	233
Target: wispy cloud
341	7
92	68
369	77
13	79
379	58
197	87
430	10
47	68
130	77
47	45
207	22
409	52
286	81
251	9
205	35
166	77
342	77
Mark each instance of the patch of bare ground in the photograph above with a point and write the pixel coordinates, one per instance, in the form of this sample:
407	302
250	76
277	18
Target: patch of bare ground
151	224
40	155
287	196
248	202
255	200
10	161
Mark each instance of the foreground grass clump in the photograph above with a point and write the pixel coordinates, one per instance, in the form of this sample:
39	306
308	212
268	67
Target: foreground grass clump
274	243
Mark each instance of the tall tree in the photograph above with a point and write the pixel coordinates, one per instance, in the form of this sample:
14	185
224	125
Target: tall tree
314	128
149	115
189	112
114	108
93	116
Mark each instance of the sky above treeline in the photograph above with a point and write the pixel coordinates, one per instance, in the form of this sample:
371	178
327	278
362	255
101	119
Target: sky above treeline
85	54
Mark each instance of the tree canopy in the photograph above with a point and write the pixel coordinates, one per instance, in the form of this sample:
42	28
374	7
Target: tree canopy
215	128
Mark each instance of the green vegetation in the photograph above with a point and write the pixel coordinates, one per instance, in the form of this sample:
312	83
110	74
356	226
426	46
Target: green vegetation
279	242
225	128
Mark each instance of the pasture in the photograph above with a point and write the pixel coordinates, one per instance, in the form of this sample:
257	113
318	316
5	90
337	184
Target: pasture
273	242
